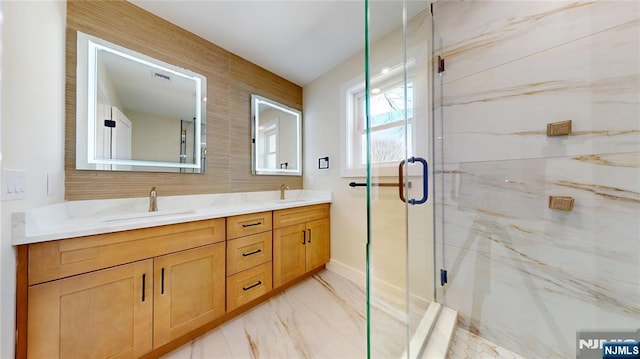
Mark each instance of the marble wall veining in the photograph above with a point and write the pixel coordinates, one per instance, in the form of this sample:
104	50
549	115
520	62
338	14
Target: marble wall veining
520	274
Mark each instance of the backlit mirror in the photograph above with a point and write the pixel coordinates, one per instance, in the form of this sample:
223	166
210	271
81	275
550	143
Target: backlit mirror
137	113
277	138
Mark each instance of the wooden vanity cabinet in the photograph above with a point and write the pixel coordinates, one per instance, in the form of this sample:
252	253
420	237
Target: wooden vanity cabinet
120	295
249	255
301	242
143	292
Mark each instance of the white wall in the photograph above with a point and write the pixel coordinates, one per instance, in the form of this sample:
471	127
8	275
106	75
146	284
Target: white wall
155	138
324	115
321	109
32	113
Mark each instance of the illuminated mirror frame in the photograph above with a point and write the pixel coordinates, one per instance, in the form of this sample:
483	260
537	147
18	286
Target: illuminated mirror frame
86	97
256	101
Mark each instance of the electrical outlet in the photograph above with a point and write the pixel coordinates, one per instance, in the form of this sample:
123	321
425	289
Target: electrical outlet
14	184
52	182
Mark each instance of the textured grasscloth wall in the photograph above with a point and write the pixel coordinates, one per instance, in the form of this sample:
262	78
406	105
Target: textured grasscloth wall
523	275
230	82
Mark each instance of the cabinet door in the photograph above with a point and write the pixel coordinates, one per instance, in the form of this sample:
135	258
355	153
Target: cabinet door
288	254
189	291
318	244
104	314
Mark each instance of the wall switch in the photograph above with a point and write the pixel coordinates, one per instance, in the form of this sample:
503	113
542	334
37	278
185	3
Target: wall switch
14	184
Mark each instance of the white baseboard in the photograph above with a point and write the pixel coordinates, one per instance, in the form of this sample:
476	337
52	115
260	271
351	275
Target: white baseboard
348	272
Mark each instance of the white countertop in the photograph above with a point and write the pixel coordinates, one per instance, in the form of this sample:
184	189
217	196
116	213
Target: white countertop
82	218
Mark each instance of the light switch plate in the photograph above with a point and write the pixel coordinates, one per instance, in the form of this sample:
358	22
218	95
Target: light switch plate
14	184
52	182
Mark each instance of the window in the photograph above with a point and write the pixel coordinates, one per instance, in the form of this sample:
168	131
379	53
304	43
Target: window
387	127
387	124
268	142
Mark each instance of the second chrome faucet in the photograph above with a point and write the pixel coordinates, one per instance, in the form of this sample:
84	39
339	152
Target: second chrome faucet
153	200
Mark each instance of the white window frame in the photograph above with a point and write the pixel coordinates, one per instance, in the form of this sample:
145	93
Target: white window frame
361	129
351	143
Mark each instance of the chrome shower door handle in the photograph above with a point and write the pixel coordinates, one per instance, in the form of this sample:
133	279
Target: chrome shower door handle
425	181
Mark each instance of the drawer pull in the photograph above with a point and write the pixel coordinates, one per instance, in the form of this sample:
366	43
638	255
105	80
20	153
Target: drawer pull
252	253
162	282
251	224
251	286
144	276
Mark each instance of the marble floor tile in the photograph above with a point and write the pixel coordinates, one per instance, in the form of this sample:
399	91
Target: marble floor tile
321	317
335	297
466	345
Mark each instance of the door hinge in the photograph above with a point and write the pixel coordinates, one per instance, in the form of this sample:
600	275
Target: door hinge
443	277
109	123
440	64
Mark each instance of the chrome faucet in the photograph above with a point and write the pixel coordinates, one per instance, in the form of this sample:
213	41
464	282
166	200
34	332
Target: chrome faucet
282	189
153	200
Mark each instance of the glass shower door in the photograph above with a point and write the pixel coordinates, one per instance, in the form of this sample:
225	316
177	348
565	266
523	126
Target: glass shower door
444	176
400	243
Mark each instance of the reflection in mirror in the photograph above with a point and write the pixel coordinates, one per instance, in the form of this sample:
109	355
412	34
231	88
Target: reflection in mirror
277	138
136	113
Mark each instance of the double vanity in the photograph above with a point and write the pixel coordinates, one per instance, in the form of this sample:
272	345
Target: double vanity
124	278
106	279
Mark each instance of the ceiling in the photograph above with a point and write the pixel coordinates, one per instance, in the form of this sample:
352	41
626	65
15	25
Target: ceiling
147	88
297	40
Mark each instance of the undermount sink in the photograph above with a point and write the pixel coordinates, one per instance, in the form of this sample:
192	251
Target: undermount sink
291	200
140	215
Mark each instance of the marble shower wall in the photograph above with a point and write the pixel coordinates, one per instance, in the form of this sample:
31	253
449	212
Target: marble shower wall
520	274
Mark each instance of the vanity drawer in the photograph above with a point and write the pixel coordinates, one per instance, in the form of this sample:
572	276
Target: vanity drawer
291	216
67	257
246	252
248	285
247	224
